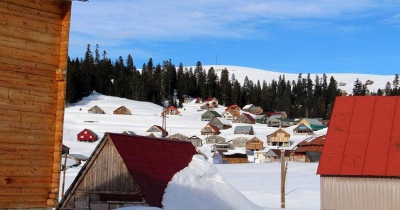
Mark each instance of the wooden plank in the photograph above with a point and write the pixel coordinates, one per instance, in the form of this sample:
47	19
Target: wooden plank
46	8
24	191
28	45
27	126
33	78
28	64
24	181
27	139
26	205
25	34
24	149
7	112
33	56
22	20
32	171
22	199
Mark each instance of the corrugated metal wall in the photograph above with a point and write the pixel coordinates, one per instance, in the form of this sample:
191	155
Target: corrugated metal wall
339	193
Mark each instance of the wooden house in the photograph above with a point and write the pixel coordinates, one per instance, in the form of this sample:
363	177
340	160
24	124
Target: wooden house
178	136
220	146
303	129
210	130
244	129
122	110
96	110
209	115
279	138
87	135
133	178
196	141
256	110
245	118
221	123
129	133
282	114
311	121
157	131
274	120
234	110
248	107
212	101
34	39
262	119
360	162
227	115
171	110
254	144
308	150
225	157
278	153
214	139
238	142
286	122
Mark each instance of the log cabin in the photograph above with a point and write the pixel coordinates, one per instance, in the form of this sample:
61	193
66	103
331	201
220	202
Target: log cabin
34	39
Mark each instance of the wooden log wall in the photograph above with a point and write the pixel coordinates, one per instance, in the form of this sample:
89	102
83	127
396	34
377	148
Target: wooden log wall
33	56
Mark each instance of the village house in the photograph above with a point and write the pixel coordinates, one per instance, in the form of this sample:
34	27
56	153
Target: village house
254	144
274	120
262	118
221	123
287	122
87	135
196	141
239	142
360	158
209	115
210	130
234	110
245	118
308	150
122	110
256	110
34	52
214	139
225	157
303	129
282	114
135	177
279	138
96	110
157	131
247	107
178	136
212	101
171	110
227	115
220	146
129	132
244	129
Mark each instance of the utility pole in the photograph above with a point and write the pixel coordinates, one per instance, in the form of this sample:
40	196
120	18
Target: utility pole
283	178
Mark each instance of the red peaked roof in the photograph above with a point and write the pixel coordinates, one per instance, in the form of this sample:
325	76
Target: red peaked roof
363	137
153	162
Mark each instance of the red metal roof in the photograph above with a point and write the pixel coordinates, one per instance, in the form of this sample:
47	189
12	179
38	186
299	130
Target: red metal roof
312	144
153	162
363	137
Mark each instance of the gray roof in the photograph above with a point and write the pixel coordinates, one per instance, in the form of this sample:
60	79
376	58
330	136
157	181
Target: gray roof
259	116
243	128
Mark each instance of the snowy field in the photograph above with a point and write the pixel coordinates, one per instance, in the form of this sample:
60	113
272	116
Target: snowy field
255	184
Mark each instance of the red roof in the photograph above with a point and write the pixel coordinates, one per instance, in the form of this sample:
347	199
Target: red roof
363	137
312	144
153	162
249	117
215	128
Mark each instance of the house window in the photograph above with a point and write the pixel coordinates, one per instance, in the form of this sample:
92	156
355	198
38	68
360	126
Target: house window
82	137
85	132
90	136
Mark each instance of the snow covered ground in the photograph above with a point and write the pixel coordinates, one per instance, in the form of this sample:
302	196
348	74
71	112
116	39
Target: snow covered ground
235	186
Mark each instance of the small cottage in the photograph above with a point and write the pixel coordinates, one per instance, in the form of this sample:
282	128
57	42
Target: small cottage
256	110
215	139
209	115
122	110
96	110
308	150
196	141
239	142
157	131
87	135
254	144
279	138
221	123
212	101
220	146
244	129
134	178
226	157
227	115
282	114
179	136
274	120
286	122
245	118
129	132
171	110
247	107
360	161
234	110
303	129
262	119
210	130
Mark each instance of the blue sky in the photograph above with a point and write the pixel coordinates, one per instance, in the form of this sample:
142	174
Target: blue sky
290	36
